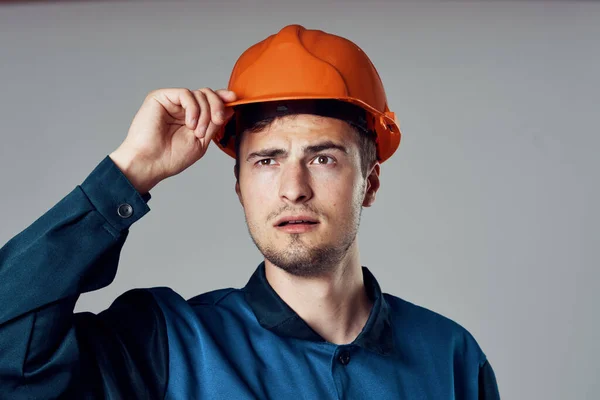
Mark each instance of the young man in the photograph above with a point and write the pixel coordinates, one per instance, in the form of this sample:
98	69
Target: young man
307	121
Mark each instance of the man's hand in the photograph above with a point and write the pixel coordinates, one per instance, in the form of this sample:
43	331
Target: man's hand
170	132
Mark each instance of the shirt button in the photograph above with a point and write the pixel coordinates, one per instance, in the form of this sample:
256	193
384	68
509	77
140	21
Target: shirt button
125	210
344	357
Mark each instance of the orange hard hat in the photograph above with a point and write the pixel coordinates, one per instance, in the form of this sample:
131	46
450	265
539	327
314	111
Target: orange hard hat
302	64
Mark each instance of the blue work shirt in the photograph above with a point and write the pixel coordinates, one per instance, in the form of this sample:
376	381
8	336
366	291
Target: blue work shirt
227	344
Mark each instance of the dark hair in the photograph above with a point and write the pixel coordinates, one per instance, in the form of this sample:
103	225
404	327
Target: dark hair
367	145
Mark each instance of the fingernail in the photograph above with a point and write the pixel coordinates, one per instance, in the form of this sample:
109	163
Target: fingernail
201	131
193	121
221	115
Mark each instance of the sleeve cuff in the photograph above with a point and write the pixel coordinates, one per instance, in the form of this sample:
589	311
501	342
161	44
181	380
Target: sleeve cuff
147	197
111	193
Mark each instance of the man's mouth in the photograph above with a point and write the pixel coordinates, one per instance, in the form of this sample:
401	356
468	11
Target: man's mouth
297	222
296	219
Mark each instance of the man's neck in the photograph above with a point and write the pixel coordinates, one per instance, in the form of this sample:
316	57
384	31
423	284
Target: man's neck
336	306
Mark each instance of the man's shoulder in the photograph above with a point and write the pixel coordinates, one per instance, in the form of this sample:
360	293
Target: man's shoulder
420	322
207	309
401	308
214	297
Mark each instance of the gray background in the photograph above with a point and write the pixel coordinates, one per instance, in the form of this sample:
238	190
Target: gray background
486	213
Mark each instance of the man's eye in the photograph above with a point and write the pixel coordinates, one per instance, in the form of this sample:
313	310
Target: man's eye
266	161
324	160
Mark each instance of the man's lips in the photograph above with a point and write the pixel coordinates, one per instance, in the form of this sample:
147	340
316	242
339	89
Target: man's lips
292	220
301	227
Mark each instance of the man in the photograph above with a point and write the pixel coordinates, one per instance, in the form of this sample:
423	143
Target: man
307	120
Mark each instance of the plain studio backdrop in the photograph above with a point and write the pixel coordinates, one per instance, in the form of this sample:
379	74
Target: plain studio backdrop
486	214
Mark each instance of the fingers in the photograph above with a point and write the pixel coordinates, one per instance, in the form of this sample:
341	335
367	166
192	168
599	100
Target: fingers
202	111
217	108
180	104
215	114
226	95
204	119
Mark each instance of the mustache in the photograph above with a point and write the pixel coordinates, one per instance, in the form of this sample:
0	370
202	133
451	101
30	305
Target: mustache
307	209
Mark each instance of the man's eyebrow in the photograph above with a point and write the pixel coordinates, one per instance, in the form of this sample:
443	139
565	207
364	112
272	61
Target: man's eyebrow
328	145
267	153
274	152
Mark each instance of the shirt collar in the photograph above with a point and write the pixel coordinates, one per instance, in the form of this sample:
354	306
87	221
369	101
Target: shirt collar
274	314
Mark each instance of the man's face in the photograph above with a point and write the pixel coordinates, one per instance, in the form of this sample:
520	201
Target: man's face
302	190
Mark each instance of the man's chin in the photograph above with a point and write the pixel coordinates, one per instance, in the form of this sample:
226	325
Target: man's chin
304	263
301	254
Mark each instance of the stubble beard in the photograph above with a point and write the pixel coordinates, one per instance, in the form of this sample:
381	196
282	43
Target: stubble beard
299	259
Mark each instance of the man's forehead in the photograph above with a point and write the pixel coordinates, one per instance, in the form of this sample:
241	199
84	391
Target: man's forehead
301	128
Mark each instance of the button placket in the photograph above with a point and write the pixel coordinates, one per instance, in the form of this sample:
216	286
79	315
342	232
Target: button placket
344	357
340	370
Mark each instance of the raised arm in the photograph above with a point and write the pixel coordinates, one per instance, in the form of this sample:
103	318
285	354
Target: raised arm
45	350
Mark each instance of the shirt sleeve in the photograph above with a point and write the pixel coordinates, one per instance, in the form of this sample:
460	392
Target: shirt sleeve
47	351
488	387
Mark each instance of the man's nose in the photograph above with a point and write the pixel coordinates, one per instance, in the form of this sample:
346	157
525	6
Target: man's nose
294	185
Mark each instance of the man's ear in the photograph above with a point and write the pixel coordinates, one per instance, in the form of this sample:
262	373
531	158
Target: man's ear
373	184
236	172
